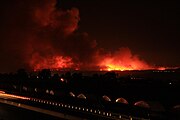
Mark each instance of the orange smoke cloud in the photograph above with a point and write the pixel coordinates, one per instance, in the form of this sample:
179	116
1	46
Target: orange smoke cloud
48	42
56	45
42	36
48	38
46	16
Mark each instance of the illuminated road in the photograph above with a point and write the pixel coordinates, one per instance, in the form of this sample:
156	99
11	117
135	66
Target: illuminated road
7	99
9	112
59	110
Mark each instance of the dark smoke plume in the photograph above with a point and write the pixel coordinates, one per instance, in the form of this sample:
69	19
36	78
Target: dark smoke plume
37	35
37	31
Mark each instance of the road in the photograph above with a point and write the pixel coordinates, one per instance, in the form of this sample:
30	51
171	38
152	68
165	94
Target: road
18	107
8	112
10	109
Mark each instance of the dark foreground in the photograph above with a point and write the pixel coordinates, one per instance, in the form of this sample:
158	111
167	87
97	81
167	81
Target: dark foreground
113	95
8	112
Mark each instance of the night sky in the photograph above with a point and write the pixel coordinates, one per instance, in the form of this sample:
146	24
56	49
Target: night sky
149	29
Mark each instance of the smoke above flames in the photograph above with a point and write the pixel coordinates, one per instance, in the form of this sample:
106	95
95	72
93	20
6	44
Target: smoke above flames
55	43
48	37
123	59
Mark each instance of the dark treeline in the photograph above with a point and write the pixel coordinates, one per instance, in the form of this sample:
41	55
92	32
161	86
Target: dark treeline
160	89
133	87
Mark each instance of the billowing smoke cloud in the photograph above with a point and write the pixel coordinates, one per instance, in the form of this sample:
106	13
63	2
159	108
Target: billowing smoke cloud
42	36
53	42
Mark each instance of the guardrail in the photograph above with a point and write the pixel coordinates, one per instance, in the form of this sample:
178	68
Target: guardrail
61	110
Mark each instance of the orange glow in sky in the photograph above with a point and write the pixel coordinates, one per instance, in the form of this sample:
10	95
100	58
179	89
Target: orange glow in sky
123	60
56	62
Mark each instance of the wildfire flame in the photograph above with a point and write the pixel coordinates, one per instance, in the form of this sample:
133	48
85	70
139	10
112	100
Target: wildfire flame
56	45
109	65
123	60
56	62
120	60
46	36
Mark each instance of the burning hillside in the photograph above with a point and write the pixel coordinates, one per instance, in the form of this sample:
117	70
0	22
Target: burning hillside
55	43
45	36
49	34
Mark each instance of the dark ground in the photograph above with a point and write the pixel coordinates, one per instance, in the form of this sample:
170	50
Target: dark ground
8	112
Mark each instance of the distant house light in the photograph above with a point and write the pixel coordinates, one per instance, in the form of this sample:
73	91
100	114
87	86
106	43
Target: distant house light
62	79
82	96
25	88
35	89
121	100
106	98
72	94
51	92
47	91
142	104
